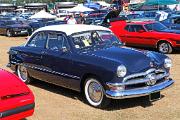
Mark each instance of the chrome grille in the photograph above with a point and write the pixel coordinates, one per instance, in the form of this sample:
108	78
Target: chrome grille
139	80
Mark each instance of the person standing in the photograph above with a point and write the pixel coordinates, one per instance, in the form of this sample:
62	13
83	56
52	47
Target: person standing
81	19
71	20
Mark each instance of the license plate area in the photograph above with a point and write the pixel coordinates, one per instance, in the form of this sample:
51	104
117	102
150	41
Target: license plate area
154	96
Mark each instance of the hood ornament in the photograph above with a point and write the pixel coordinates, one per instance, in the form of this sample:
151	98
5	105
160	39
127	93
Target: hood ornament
152	79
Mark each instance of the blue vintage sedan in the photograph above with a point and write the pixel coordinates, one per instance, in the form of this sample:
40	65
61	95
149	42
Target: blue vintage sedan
90	59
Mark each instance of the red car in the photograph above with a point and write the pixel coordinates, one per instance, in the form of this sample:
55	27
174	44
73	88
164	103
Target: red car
147	34
16	99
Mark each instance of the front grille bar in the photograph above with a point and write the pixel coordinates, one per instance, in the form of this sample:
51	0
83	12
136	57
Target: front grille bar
133	79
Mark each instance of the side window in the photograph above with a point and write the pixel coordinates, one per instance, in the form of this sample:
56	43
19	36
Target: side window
130	28
134	28
39	40
138	28
127	28
176	21
56	42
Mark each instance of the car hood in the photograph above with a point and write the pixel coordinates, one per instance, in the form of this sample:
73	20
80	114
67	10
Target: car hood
10	84
171	31
135	60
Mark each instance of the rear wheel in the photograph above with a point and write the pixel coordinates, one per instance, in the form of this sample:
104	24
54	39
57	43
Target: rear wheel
165	47
23	74
9	33
94	93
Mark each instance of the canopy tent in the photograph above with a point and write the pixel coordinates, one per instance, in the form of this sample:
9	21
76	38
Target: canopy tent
79	8
103	3
20	10
147	4
160	2
42	14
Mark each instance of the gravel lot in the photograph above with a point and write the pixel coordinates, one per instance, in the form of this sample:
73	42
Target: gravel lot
57	103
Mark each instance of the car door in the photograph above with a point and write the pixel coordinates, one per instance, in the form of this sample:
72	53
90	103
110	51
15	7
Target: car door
134	35
56	60
2	27
32	54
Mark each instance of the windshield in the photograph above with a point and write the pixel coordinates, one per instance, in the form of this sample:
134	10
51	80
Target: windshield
93	39
155	26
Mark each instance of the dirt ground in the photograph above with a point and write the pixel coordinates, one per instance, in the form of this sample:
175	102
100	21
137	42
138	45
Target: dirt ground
57	103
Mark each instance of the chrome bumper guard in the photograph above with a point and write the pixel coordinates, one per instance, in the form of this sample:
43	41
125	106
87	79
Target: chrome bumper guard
139	91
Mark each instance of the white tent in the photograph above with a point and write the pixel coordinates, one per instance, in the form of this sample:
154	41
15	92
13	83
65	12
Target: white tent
43	14
21	10
79	8
103	3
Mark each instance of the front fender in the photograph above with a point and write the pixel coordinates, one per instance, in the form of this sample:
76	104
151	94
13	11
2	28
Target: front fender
173	43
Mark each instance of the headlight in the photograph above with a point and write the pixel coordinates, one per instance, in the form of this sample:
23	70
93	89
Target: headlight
167	63
121	71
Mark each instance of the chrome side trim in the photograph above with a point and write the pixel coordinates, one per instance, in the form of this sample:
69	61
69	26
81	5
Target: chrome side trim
46	70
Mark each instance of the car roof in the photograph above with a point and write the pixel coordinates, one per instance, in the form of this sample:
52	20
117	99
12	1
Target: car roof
70	29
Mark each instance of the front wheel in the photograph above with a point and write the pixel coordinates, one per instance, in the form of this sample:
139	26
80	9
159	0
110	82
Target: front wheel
165	47
94	93
23	74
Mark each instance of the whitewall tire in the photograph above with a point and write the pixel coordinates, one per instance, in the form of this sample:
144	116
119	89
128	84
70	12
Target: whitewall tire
23	74
94	93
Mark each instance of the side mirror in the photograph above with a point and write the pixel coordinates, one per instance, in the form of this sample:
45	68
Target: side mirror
141	31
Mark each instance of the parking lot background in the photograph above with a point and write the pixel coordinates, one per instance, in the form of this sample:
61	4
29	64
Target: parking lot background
57	103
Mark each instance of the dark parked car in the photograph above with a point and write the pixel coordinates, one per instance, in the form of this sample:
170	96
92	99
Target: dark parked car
12	28
172	22
90	59
35	24
38	23
55	22
104	19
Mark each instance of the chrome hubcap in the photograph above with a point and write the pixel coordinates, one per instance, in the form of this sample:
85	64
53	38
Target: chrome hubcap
8	33
22	73
164	48
95	91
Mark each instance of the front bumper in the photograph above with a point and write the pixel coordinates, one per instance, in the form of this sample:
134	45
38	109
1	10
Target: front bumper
139	91
26	110
20	32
